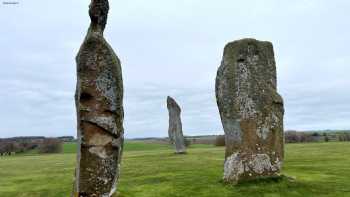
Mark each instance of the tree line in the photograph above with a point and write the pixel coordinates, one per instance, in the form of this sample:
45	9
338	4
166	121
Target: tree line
302	137
10	146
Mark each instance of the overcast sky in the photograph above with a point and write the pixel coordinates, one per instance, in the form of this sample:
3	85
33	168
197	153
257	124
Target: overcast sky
172	47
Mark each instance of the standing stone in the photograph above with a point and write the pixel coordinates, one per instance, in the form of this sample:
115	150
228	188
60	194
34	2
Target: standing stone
251	111
175	126
99	104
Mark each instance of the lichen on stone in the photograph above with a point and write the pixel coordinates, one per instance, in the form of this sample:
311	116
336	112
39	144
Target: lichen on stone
233	168
175	126
251	110
106	83
240	165
99	103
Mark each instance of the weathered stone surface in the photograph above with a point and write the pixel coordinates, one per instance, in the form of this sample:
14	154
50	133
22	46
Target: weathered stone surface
251	111
175	126
99	103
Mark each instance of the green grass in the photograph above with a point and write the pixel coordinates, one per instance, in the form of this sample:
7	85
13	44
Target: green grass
70	147
152	170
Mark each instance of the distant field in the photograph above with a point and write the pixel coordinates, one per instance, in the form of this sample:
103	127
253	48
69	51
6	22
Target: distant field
132	146
152	170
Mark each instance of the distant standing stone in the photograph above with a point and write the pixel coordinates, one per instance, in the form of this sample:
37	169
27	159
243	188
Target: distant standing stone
251	111
99	103
175	126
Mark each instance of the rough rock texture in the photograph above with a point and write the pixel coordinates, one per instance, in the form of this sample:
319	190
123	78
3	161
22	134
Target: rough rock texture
251	111
175	126
99	103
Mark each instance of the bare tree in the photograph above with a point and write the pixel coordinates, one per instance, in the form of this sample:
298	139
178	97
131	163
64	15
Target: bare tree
220	140
50	145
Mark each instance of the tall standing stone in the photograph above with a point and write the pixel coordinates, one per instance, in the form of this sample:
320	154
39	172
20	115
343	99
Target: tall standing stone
99	104
251	111
175	126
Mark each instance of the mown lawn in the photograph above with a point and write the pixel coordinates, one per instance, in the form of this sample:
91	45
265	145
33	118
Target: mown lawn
152	170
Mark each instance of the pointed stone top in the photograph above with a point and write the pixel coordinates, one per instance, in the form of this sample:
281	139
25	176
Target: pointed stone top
172	103
170	100
98	11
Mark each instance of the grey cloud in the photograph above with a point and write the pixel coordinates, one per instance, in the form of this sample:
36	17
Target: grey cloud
172	48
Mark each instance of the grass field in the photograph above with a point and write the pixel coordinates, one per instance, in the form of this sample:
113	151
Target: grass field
152	170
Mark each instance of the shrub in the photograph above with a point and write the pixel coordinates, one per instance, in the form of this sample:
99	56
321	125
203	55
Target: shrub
187	142
344	136
291	137
6	148
220	140
315	134
326	138
300	137
50	145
